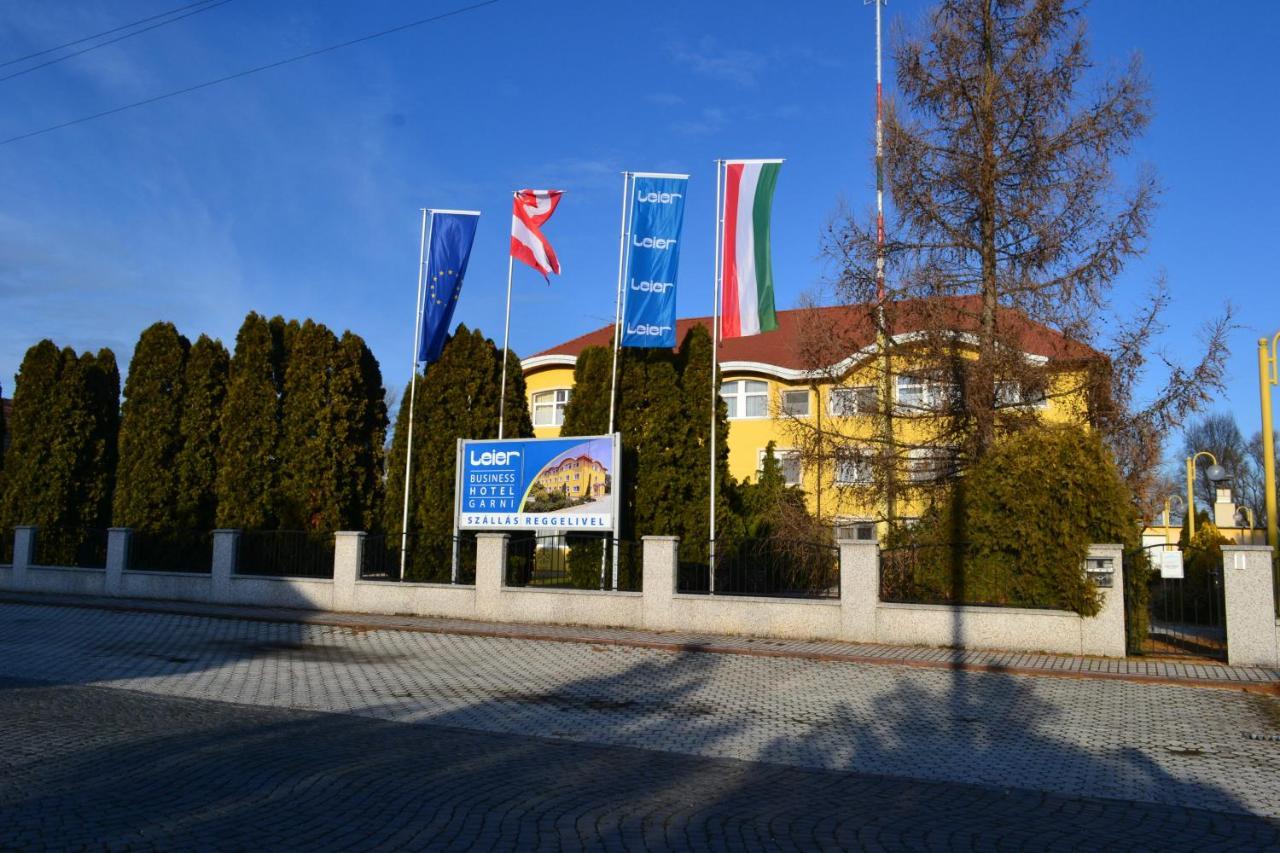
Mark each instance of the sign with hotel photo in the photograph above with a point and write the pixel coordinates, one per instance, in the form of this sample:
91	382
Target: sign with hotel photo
537	484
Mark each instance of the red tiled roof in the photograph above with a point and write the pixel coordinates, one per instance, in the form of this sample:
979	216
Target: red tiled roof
850	326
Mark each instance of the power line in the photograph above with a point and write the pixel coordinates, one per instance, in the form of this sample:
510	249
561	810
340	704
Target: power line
92	47
248	71
101	34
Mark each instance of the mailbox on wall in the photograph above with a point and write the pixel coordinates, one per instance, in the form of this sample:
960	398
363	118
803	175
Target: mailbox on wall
1101	570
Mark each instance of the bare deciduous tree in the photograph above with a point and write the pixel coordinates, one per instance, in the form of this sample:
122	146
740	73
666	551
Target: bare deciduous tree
1007	236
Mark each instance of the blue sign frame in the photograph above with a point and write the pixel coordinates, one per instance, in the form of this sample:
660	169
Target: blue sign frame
538	484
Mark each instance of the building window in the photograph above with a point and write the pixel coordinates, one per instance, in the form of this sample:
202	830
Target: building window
855	530
788	462
1010	394
856	400
746	398
853	468
795	403
548	407
930	464
920	394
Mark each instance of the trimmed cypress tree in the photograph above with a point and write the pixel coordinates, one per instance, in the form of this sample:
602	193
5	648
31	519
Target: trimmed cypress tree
150	435
587	412
250	428
199	428
358	431
307	490
693	439
36	475
457	397
94	392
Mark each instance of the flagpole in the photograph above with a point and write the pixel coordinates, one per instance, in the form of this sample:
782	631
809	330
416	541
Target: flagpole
715	362
506	334
617	310
413	385
613	372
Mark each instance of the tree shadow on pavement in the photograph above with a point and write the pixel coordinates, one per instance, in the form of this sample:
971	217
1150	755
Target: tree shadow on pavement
656	754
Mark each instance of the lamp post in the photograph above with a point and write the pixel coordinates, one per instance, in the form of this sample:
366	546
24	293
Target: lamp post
1216	474
1168	503
1266	378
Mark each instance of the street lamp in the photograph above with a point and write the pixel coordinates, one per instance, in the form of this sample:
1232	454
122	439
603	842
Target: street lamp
1266	378
1169	502
1216	474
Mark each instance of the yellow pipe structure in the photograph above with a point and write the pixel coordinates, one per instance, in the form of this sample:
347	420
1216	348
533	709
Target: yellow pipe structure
1266	378
1191	491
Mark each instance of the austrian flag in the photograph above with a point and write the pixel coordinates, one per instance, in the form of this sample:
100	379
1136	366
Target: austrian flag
531	209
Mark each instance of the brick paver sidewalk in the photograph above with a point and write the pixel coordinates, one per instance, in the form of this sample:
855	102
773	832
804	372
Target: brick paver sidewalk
1196	672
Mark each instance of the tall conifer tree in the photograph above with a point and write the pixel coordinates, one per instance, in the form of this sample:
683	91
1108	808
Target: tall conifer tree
587	412
457	397
146	495
205	386
250	428
36	492
307	488
358	416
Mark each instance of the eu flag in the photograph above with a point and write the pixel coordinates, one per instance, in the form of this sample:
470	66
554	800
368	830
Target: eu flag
452	233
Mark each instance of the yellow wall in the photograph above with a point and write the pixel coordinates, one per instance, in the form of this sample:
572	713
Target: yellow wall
748	437
547	379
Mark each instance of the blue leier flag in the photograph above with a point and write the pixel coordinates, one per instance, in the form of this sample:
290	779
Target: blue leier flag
452	233
653	256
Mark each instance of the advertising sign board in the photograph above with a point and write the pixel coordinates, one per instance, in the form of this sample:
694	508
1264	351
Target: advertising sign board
537	484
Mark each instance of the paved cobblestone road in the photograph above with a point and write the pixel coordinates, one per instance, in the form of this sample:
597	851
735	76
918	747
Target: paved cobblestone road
521	743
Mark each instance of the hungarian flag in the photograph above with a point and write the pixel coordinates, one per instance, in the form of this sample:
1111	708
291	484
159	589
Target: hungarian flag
531	209
747	297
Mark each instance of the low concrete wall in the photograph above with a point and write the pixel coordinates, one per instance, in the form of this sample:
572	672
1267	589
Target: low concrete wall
179	586
1012	628
858	615
66	580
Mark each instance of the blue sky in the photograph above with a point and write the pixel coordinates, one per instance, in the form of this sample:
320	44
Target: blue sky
296	191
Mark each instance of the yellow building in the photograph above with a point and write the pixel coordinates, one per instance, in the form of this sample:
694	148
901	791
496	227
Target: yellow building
576	477
774	393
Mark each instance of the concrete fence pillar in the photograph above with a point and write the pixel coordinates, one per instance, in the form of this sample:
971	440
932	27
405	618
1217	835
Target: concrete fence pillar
24	551
859	590
1103	634
226	546
1248	589
348	551
659	561
491	570
118	539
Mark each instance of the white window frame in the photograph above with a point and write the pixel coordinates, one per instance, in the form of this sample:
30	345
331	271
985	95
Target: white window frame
783	454
850	407
856	456
783	406
932	393
734	393
1010	394
556	405
943	454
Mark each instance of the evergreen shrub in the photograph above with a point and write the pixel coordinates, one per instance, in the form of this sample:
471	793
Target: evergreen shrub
1016	530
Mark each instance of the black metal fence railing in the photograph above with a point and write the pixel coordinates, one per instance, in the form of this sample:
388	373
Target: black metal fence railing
1186	610
6	547
573	561
932	574
774	567
285	553
188	551
426	559
84	548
